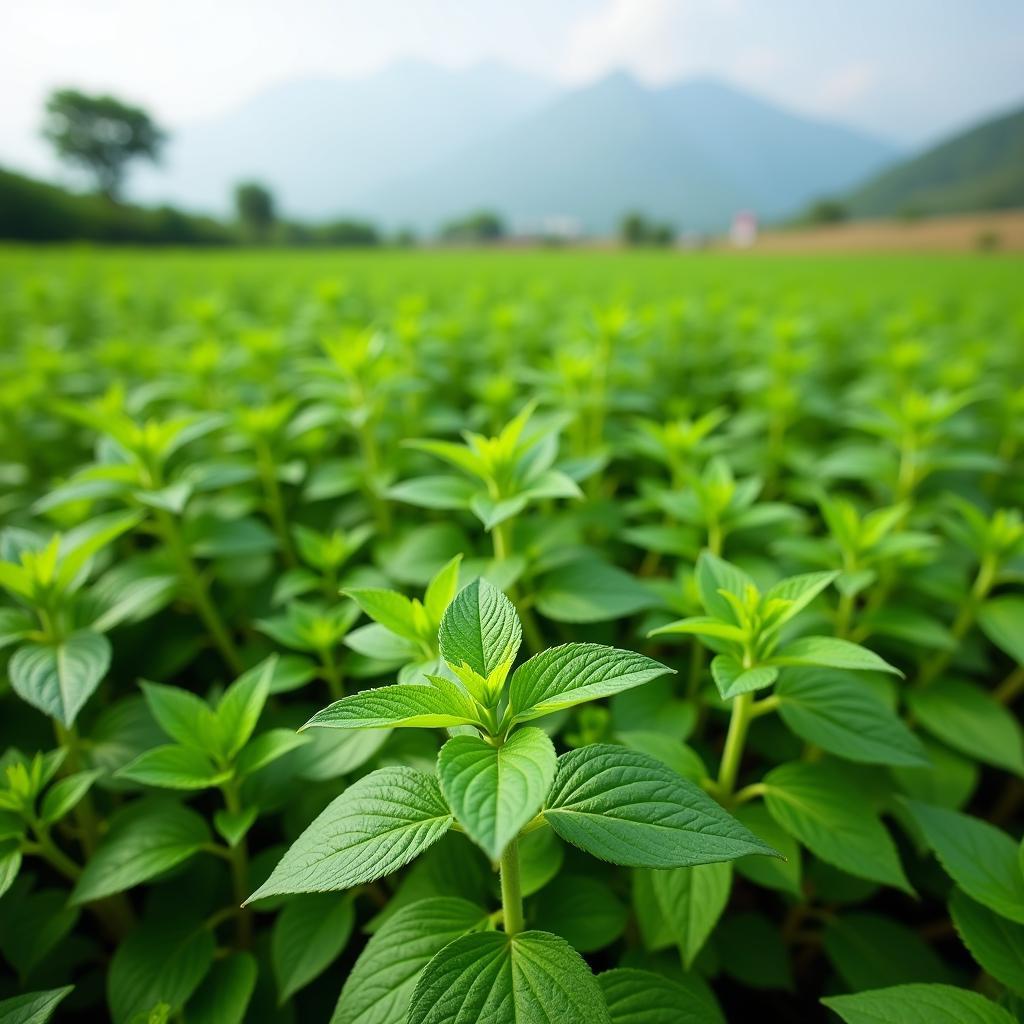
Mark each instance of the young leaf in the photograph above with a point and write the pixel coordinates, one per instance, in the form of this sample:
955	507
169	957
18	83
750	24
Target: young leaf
507	979
494	791
241	706
63	796
917	1004
826	810
32	1007
967	719
691	901
713	575
186	718
375	827
383	979
800	591
232	825
436	704
442	589
625	807
174	767
480	629
643	997
309	933
267	748
144	841
982	859
574	673
831	652
59	678
732	678
995	943
834	710
10	864
392	610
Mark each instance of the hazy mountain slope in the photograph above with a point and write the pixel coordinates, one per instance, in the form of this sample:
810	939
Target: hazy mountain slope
320	143
979	169
590	154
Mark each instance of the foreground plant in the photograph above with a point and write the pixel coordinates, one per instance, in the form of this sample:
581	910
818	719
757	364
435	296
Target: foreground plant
499	780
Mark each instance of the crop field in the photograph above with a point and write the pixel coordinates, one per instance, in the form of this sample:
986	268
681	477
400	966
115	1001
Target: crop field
511	637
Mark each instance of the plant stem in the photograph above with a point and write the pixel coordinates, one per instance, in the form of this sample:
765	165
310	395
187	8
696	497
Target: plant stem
1011	687
511	889
238	858
332	674
274	499
983	583
732	754
199	591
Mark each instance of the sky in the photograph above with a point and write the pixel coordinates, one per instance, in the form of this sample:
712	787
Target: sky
905	70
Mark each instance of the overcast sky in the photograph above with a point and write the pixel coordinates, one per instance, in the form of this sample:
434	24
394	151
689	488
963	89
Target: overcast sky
907	70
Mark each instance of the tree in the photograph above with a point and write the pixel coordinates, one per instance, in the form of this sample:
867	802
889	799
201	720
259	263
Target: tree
482	226
635	229
254	205
827	211
100	134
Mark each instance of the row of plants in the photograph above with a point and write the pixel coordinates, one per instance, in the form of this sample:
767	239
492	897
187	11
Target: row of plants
379	652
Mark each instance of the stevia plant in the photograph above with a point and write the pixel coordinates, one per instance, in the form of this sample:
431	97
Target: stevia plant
498	780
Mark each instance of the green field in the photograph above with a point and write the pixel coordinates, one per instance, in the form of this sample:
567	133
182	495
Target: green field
774	505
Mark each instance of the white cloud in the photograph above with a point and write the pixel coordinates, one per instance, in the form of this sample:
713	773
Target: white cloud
656	39
846	87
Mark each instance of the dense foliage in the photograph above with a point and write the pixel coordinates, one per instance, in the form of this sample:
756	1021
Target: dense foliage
630	640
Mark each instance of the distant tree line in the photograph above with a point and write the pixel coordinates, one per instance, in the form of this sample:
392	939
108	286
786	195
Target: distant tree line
636	230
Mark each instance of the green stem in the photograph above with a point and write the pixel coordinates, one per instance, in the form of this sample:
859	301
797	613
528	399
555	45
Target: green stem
239	861
1011	687
511	889
983	583
199	592
332	674
735	739
274	499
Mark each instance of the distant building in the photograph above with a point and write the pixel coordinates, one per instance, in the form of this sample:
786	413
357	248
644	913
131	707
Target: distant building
743	233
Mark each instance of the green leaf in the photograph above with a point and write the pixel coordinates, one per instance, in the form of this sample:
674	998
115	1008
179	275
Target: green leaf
308	935
375	827
918	1004
63	796
10	865
158	962
831	652
713	574
59	678
267	748
502	979
182	715
583	911
800	591
836	711
828	812
394	611
702	625
224	995
591	591
174	767
967	719
436	704
480	629
995	943
494	791
145	840
233	825
732	678
32	1007
1002	620
440	492
871	951
770	872
574	673
241	706
383	979
642	997
982	859
623	806
442	589
691	902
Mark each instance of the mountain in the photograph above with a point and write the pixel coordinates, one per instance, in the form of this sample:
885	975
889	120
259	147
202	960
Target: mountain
320	143
692	153
978	169
417	145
